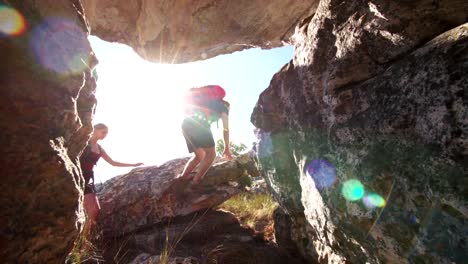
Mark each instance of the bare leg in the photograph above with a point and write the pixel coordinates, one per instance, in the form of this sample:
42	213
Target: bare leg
205	164
92	207
192	163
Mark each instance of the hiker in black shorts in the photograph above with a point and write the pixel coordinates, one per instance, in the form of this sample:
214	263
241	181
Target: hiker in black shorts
204	106
88	159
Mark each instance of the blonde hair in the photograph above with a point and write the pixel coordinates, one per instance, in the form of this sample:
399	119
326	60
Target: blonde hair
100	126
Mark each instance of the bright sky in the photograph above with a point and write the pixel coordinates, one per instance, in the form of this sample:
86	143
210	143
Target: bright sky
141	102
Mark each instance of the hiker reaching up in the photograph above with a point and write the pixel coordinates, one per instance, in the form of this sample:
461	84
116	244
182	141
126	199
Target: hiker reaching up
91	154
203	106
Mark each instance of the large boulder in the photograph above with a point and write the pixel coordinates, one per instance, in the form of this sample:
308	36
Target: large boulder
149	210
150	195
181	31
46	106
364	135
208	237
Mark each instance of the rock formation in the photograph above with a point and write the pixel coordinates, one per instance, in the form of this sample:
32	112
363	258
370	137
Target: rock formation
46	106
47	88
144	207
217	237
182	31
364	135
150	195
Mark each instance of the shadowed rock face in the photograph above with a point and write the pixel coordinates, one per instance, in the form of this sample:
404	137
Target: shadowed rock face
368	98
46	107
182	31
217	237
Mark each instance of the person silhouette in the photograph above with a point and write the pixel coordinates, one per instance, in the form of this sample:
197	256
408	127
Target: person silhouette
88	159
204	106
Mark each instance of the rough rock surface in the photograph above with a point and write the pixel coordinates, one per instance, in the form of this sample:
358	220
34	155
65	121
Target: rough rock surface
182	31
369	98
217	237
45	121
207	237
144	207
147	196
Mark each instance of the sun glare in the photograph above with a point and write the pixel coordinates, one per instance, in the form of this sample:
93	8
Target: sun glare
142	102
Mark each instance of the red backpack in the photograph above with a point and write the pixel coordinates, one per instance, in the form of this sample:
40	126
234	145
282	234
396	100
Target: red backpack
201	95
201	98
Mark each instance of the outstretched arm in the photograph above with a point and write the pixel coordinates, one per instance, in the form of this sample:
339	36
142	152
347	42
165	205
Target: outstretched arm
116	163
227	151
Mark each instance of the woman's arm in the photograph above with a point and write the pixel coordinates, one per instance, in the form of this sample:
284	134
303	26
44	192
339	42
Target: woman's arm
116	163
227	151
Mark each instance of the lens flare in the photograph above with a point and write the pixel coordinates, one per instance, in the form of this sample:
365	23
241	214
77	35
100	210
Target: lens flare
414	220
11	21
352	190
373	200
265	144
61	46
323	173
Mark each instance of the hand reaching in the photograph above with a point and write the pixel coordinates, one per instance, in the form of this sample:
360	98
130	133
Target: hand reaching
138	164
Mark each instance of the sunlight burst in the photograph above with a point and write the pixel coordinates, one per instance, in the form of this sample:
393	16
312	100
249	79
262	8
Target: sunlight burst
142	103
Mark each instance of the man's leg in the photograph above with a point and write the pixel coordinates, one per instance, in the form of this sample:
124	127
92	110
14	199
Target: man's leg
205	164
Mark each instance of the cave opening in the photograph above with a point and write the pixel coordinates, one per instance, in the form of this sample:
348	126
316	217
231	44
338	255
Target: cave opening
141	101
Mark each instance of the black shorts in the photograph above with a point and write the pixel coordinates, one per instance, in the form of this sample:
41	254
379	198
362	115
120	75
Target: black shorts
197	134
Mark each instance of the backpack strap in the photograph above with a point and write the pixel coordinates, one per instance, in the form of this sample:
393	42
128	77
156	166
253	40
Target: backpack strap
86	151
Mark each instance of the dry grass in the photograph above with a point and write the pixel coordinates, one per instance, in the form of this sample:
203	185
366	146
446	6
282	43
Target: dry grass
166	251
84	252
253	210
170	247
